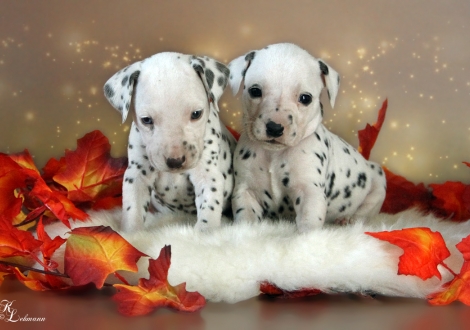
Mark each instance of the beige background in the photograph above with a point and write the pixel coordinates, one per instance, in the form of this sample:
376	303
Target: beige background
56	55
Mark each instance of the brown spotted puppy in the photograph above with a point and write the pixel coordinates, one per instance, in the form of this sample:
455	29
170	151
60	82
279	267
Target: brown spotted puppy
287	164
180	154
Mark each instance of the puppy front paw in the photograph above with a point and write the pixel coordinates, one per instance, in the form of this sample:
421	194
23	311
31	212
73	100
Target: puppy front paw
345	221
205	226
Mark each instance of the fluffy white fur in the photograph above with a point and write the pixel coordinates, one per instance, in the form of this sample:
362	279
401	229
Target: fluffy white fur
229	263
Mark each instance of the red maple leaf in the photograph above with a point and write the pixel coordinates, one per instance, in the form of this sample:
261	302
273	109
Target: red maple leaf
90	173
4	271
423	250
156	292
15	242
52	167
49	246
403	194
92	253
459	287
234	133
11	178
452	199
57	203
274	291
368	135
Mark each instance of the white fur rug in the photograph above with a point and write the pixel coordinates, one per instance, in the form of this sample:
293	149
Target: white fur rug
229	263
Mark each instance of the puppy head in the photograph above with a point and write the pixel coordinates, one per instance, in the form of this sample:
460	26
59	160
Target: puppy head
173	95
282	84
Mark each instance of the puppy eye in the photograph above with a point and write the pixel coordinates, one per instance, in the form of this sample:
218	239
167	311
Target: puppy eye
146	120
255	92
196	114
305	99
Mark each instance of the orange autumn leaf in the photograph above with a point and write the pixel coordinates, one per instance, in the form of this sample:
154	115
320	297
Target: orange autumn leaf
92	253
25	160
57	203
37	281
423	250
52	167
90	172
452	199
156	292
15	242
459	287
368	135
403	194
11	178
464	247
31	281
4	271
49	246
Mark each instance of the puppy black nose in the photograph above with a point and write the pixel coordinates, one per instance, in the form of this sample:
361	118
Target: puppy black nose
273	129
175	162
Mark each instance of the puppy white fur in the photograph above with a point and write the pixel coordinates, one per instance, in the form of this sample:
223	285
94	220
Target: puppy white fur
180	154
287	164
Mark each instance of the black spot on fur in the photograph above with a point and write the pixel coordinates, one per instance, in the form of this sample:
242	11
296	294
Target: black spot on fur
250	56
361	180
198	68
268	194
133	77
323	68
336	194
222	68
239	210
347	192
108	91
297	201
246	155
221	81
124	81
321	158
209	77
331	184
285	182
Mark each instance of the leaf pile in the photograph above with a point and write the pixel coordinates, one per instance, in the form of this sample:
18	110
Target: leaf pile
89	178
447	200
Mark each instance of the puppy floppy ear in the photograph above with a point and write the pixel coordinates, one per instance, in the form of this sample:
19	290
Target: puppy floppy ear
238	69
214	76
331	81
119	88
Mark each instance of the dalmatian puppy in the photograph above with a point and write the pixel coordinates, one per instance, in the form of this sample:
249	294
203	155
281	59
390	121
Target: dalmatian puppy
287	164
180	154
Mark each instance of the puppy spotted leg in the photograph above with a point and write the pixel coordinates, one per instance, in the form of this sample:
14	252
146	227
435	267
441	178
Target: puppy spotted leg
137	186
310	207
209	198
245	206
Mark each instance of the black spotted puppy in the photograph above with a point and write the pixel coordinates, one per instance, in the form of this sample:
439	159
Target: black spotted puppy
287	164
180	154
